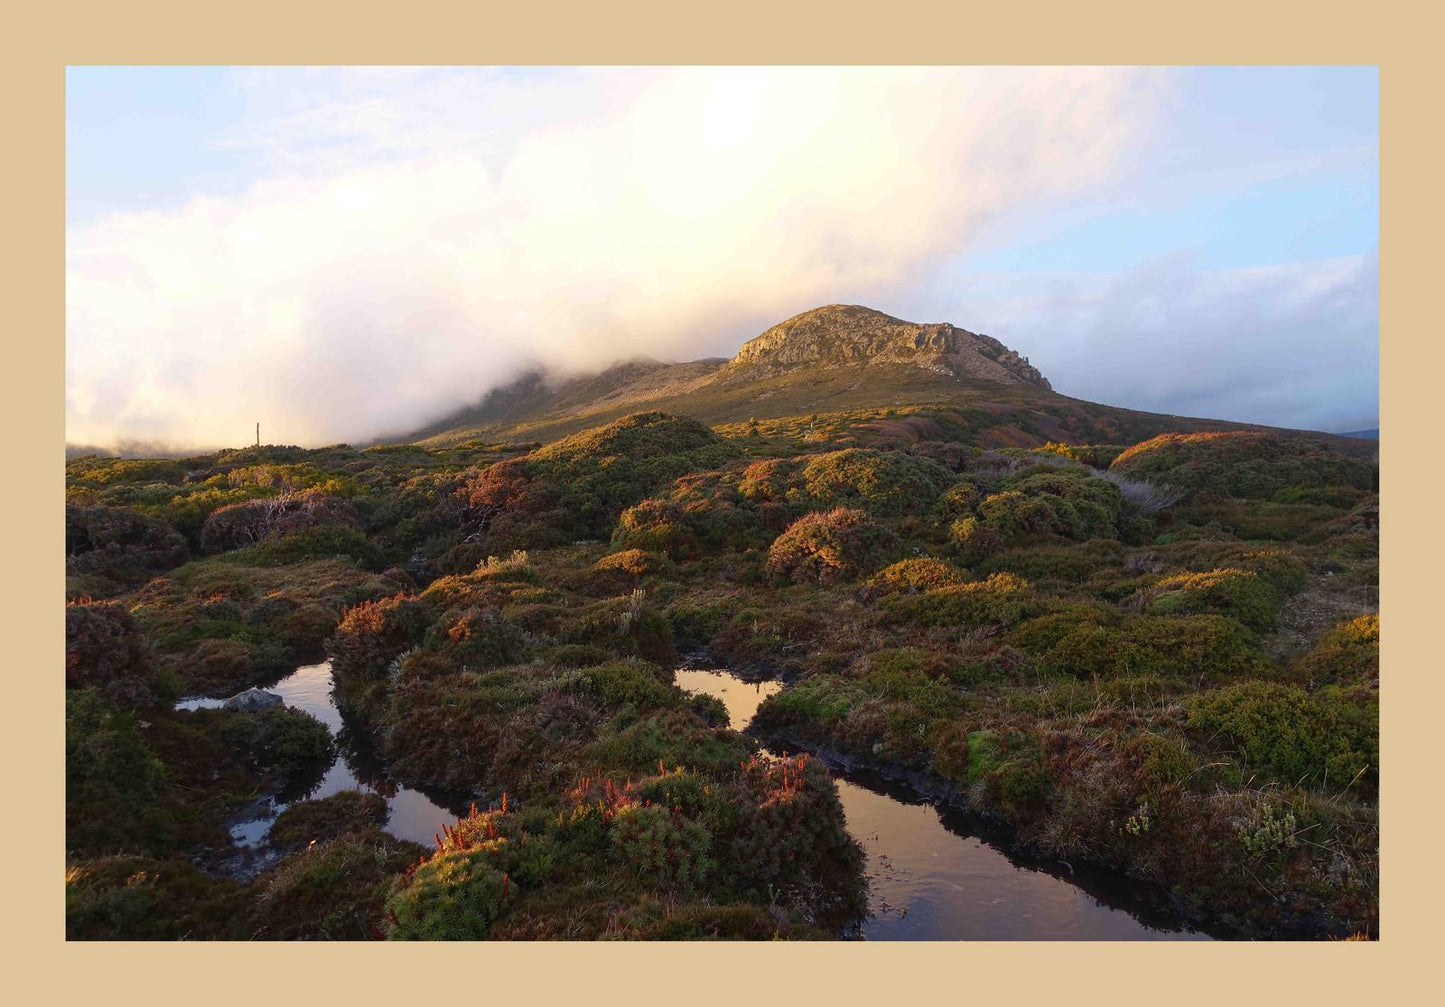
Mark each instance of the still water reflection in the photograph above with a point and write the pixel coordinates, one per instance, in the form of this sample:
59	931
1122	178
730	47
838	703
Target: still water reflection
414	815
932	878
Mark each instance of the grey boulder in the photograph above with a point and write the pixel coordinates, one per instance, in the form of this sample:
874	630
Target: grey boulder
252	699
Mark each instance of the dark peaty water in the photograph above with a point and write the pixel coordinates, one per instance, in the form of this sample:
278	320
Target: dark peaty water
414	815
931	878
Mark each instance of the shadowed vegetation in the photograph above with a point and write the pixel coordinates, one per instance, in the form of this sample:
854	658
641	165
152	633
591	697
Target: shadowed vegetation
1171	671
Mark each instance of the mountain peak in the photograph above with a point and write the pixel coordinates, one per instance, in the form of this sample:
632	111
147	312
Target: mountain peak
852	334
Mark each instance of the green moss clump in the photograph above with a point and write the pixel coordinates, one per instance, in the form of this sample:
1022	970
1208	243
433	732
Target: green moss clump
280	738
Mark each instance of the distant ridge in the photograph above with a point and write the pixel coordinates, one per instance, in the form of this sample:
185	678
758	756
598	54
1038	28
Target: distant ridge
832	359
1372	435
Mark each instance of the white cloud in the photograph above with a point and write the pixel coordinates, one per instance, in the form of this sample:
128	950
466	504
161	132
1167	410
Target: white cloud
1293	345
420	239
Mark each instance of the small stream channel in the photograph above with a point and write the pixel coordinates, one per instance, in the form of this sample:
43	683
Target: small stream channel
931	874
415	815
932	877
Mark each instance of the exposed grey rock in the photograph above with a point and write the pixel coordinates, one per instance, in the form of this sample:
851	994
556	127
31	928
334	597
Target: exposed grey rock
252	699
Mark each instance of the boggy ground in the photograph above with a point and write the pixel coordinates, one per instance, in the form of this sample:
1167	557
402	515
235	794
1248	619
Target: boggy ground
1163	660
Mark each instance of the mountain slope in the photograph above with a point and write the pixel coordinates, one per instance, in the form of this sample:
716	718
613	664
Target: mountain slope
836	359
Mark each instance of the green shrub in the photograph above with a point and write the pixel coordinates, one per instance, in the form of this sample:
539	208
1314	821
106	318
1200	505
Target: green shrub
475	638
119	543
1002	599
374	633
912	575
662	847
112	777
1199	645
333	890
1348	653
280	738
129	898
631	682
883	483
1242	594
829	547
656	526
625	625
1289	734
327	818
454	895
106	650
1242	463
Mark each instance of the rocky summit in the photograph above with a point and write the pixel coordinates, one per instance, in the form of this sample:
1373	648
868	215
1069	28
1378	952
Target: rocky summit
850	334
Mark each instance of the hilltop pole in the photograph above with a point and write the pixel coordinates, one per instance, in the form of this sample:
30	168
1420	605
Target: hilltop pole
258	433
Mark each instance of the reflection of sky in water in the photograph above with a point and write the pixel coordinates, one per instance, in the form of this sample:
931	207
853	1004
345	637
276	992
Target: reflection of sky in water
414	815
928	882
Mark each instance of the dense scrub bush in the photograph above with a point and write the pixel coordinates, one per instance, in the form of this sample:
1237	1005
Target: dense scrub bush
112	777
1348	654
320	541
959	501
1002	599
454	895
656	526
771	480
475	638
373	634
662	847
119	543
130	898
1289	734
327	818
1075	563
106	650
626	625
1099	456
1243	594
238	525
634	562
1061	502
1241	463
630	682
1081	644
829	547
909	576
334	890
883	483
791	832
280	738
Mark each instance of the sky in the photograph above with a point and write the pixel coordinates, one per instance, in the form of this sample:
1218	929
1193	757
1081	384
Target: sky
350	253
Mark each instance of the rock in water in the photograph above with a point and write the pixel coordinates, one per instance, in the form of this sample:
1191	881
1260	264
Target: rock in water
251	700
